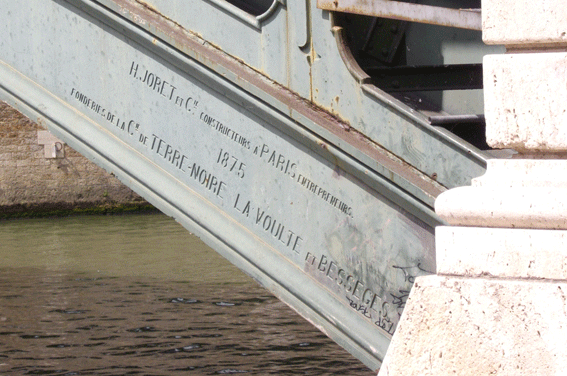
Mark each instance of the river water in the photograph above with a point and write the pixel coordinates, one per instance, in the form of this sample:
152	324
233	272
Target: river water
139	295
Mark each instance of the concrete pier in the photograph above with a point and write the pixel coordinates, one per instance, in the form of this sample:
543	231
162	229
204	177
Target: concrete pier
498	302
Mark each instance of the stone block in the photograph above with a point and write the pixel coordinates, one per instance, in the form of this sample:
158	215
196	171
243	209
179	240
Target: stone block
455	326
513	193
501	252
23	163
519	173
525	96
10	163
524	207
524	22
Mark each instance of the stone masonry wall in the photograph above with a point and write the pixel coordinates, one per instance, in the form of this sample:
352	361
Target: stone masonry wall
31	182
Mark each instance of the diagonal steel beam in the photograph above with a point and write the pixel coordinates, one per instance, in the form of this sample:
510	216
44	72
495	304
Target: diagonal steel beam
460	18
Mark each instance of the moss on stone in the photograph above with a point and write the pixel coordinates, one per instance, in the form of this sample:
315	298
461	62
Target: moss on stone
65	210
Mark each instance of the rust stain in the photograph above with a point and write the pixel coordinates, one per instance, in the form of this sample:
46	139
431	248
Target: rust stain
195	47
407	11
147	5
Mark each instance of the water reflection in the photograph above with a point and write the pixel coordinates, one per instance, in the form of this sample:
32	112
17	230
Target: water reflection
139	295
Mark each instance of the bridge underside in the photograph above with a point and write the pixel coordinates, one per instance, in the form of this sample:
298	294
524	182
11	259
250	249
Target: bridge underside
316	211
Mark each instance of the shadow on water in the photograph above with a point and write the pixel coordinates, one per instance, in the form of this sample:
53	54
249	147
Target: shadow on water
138	295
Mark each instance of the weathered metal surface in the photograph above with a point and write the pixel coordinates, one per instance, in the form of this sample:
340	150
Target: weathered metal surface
322	231
461	18
303	199
383	39
402	129
251	12
317	72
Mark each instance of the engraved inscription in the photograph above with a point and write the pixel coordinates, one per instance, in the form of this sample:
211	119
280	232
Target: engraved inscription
231	163
172	155
129	127
224	130
163	87
290	168
153	81
226	159
277	160
91	104
359	297
208	180
164	149
323	194
269	223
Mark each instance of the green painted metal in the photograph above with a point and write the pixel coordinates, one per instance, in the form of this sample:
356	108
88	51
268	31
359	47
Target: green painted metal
260	133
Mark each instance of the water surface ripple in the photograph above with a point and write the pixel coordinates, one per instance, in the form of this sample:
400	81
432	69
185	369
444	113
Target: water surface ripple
138	295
